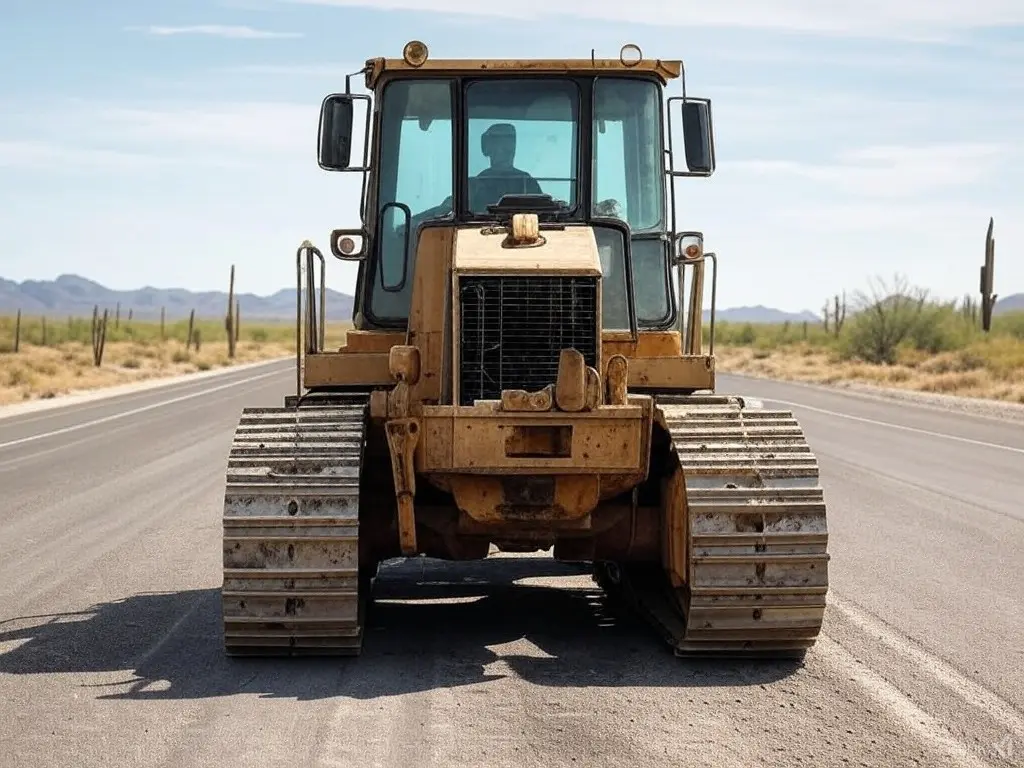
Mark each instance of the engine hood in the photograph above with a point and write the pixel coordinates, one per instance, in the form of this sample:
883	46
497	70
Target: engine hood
569	251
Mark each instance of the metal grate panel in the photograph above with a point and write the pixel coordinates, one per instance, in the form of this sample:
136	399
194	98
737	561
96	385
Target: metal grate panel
513	329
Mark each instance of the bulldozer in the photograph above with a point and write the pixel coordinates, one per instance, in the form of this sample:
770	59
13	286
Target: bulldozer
528	369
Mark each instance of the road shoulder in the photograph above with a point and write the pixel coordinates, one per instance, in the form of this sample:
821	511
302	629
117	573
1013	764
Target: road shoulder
970	406
106	393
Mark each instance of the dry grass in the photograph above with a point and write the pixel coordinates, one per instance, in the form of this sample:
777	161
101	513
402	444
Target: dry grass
133	352
962	362
953	373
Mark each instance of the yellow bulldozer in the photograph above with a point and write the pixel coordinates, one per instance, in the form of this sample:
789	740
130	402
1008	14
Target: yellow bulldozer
527	370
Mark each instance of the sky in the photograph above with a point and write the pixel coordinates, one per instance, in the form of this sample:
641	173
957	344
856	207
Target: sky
159	143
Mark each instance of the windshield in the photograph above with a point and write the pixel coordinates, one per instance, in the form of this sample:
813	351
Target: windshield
522	139
523	136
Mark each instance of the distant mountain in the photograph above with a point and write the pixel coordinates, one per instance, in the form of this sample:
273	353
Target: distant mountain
74	295
1012	303
761	314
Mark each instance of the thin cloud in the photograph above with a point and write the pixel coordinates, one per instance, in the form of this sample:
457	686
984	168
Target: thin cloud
222	134
920	20
295	70
32	154
217	30
892	171
235	127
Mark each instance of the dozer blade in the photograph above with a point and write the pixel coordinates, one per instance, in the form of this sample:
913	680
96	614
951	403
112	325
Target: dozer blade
291	532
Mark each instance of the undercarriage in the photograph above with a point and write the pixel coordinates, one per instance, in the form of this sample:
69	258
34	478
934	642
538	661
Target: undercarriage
722	545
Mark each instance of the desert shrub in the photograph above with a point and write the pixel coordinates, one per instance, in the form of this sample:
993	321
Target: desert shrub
882	322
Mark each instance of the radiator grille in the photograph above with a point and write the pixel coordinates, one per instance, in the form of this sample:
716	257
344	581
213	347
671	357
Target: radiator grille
513	328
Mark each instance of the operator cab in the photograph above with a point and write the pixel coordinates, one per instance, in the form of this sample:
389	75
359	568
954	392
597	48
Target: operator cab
471	142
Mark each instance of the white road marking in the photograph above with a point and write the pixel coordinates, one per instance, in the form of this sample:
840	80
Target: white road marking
968	690
135	411
901	427
915	719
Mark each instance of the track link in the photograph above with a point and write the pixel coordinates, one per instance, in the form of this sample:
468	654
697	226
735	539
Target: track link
756	549
291	531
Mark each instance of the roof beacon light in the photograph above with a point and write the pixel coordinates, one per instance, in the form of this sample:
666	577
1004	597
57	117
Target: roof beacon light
415	53
630	60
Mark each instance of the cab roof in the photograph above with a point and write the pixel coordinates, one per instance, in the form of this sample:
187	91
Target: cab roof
664	70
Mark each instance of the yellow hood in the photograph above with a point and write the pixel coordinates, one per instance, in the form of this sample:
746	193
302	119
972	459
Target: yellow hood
571	251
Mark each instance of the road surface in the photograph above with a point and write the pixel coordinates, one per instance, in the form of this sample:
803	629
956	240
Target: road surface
110	648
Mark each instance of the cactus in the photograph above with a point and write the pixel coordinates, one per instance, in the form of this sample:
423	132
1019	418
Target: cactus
839	315
229	320
988	299
99	335
969	309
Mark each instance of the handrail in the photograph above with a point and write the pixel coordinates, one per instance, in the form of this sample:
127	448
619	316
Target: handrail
714	292
685	324
315	335
310	338
298	319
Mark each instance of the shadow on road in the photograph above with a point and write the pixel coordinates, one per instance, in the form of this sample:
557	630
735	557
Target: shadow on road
170	644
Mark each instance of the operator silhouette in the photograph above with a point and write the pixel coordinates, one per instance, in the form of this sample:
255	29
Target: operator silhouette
502	178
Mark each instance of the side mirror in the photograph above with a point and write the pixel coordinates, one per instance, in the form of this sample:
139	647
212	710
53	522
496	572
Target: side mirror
335	135
698	137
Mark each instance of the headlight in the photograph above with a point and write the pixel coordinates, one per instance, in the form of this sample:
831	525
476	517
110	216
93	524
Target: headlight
689	246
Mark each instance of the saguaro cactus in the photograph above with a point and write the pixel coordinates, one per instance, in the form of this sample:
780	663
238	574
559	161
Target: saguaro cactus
99	335
839	315
988	299
229	320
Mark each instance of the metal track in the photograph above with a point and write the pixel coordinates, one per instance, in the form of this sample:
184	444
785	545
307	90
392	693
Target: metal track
757	561
291	531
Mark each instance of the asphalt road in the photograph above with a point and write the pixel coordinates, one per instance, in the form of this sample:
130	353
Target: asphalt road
110	648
